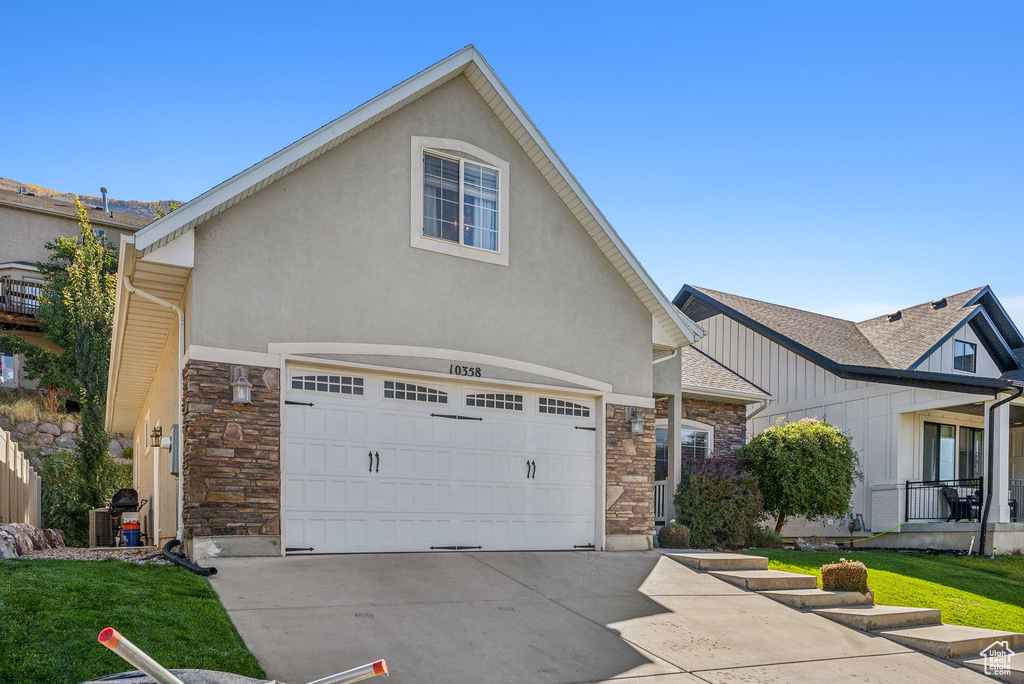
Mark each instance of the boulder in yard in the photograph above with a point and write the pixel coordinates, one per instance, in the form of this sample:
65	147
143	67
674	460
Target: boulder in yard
66	441
25	428
69	426
17	539
49	429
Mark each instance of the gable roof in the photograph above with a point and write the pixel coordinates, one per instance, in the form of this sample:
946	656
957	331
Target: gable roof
701	372
888	349
470	63
60	206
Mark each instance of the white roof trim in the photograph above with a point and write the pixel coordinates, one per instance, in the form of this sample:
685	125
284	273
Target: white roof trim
679	328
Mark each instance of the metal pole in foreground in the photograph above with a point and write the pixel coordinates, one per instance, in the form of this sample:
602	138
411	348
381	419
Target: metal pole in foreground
113	640
356	674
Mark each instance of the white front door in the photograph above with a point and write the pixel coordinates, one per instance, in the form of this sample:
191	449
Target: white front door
394	463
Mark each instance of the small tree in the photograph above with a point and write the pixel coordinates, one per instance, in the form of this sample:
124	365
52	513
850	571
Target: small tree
806	467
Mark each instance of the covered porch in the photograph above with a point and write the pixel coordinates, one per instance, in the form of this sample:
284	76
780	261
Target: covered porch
946	479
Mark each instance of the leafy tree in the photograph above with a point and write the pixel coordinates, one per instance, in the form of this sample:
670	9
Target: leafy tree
806	467
53	371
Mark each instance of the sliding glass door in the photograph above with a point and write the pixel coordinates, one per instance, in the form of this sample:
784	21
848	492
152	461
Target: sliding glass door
939	452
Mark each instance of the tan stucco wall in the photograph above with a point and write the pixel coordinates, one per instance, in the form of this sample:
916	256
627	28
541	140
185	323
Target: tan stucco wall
161	406
24	233
324	255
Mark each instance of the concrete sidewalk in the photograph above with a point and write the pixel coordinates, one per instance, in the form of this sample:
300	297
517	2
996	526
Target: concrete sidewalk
542	617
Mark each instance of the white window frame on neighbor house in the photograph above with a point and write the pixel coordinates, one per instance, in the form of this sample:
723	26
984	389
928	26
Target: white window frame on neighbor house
694	426
460	151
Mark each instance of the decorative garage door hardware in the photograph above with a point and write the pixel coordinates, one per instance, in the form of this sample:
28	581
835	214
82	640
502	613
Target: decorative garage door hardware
292	549
584	546
530	464
298	403
454	548
592	429
452	416
371	455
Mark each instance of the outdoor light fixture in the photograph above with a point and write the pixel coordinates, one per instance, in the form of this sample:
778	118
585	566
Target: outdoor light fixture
154	437
636	421
241	390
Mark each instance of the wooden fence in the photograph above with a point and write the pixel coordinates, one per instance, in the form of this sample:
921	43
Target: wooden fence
19	485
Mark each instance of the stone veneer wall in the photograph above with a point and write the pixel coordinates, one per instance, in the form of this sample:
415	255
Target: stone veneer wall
729	421
629	477
231	453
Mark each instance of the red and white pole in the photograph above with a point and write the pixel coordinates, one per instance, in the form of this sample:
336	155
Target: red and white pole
113	640
356	674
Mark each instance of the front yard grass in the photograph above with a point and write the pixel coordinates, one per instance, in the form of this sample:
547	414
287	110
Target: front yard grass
51	612
979	592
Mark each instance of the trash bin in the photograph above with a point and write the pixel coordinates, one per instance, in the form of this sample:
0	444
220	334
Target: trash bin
131	529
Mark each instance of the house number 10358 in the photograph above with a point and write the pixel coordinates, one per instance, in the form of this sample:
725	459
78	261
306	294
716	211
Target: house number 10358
468	371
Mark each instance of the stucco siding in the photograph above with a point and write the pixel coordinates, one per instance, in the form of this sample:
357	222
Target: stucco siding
24	233
323	255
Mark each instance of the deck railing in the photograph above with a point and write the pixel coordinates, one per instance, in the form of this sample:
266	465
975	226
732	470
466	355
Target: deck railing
19	296
944	499
659	502
1016	500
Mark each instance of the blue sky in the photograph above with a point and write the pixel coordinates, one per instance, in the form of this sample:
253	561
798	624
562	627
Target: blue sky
847	158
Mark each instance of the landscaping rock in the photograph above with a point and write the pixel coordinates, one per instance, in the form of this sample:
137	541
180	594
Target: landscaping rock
25	428
115	448
18	539
44	438
69	426
66	441
5	422
49	429
815	544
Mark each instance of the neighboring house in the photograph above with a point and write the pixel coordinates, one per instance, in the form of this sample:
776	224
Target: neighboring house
913	388
448	345
27	222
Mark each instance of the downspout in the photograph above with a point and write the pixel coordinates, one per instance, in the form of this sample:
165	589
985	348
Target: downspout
991	463
181	355
666	357
762	407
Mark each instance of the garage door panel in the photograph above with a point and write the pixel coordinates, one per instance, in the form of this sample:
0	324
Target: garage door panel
437	481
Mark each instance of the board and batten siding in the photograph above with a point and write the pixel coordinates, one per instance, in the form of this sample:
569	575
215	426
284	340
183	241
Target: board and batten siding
941	360
869	412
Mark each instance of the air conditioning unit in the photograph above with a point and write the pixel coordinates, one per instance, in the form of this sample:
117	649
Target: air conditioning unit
101	528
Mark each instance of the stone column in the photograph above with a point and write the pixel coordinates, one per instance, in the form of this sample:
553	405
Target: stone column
629	481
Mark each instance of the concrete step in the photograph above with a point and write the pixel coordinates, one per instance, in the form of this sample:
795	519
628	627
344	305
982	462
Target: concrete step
870	618
719	561
1013	673
761	580
809	599
952	641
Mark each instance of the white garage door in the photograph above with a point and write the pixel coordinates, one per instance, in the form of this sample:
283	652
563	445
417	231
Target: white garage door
391	463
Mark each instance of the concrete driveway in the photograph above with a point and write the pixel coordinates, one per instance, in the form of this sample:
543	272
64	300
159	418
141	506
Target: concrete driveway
541	617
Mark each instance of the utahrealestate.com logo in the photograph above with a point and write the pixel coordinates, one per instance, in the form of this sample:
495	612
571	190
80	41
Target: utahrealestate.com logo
997	658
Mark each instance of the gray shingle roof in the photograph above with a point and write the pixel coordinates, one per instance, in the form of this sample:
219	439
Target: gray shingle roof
889	342
700	370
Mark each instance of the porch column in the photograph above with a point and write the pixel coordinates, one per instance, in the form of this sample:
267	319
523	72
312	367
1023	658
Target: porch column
675	452
1000	429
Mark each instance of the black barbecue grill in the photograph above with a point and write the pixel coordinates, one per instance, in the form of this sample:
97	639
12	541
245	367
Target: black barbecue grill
124	501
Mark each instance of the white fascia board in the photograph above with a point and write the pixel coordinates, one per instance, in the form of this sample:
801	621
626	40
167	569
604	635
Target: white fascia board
730	394
193	211
177	252
125	266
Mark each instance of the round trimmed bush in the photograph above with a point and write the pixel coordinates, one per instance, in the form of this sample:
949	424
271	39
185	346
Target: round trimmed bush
674	536
719	504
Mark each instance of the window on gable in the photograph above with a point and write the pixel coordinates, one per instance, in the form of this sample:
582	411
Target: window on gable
394	389
332	384
965	355
560	407
460	201
509	402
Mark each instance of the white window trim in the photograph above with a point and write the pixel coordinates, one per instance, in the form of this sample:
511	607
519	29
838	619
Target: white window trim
456	148
685	424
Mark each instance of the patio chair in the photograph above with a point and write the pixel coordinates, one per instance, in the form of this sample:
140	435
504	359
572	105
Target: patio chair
960	507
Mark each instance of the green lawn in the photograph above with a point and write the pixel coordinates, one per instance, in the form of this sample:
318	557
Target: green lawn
980	592
51	612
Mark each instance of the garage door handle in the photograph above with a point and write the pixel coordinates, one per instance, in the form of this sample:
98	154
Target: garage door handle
371	461
534	476
377	454
527	469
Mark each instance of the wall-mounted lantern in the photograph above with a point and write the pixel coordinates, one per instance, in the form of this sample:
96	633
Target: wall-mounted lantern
636	422
154	437
241	389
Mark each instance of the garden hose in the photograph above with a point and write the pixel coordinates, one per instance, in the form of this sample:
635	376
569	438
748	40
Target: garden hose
909	522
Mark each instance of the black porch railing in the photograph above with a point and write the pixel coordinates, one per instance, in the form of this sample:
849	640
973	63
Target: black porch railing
949	500
1016	500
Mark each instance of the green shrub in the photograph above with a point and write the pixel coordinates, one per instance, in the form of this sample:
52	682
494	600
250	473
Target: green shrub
765	538
674	536
65	504
845	576
720	505
805	467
